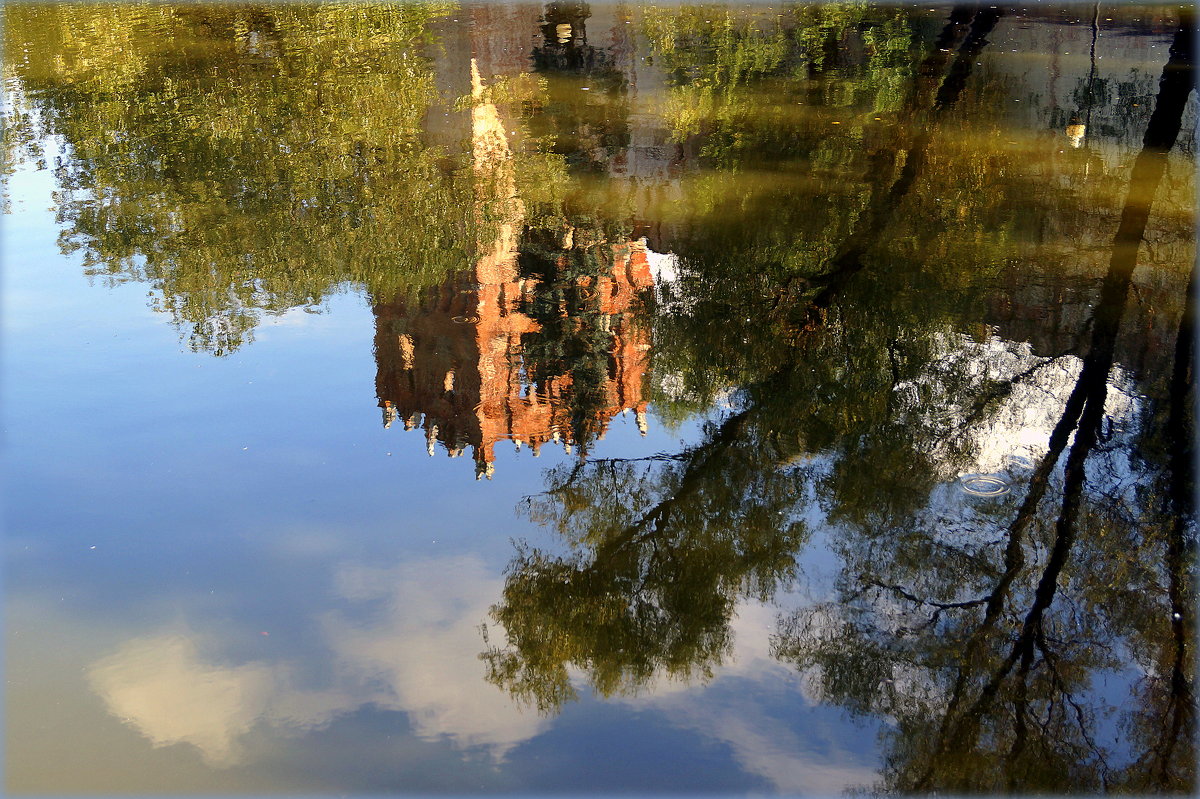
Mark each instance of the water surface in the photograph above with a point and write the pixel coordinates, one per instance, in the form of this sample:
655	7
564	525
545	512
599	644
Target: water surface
586	398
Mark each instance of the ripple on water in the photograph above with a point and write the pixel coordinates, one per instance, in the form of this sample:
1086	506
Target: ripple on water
1019	462
983	485
464	320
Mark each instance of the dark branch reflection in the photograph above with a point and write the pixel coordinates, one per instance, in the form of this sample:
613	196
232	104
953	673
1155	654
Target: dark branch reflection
984	629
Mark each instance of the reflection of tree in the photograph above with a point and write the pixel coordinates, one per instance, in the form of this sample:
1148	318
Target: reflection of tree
234	180
729	70
21	140
769	257
664	548
987	667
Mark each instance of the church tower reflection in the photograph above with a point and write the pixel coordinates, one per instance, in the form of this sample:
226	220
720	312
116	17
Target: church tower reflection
540	340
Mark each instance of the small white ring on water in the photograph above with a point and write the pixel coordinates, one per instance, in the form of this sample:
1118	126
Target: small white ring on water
983	485
464	320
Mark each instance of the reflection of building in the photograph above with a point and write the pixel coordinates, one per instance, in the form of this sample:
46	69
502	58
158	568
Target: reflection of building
454	365
538	340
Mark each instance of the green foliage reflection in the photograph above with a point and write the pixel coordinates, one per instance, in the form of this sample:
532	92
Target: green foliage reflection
246	160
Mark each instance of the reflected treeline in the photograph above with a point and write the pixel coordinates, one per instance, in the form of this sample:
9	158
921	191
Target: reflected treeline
209	152
928	313
662	549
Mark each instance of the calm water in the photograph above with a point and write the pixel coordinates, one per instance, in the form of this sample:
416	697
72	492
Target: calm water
598	398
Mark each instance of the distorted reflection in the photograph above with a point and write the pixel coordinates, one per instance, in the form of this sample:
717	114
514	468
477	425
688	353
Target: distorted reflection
895	301
230	180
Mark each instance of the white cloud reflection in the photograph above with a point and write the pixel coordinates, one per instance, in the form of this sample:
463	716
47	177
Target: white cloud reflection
409	641
160	686
415	650
749	721
422	651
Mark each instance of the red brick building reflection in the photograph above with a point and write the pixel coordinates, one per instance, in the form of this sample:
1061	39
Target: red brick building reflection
454	368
